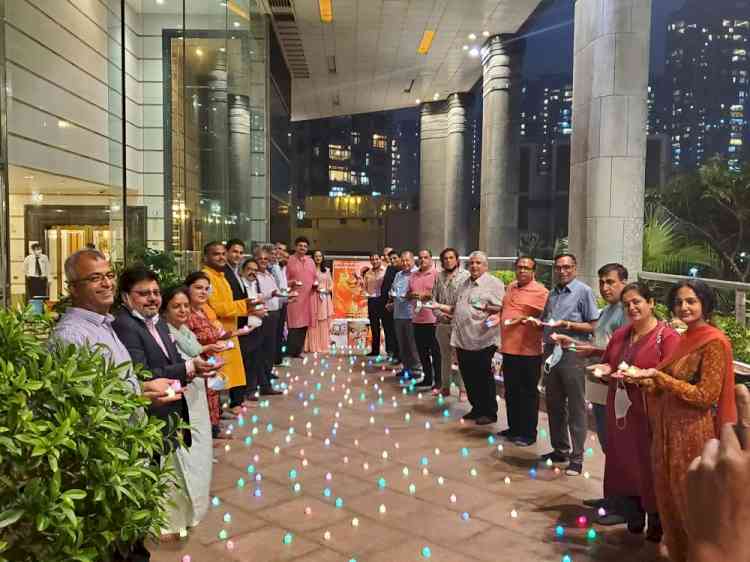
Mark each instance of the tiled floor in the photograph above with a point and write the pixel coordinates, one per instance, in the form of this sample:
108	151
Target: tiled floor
449	492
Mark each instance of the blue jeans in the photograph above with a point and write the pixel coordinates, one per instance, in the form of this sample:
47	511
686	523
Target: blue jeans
600	417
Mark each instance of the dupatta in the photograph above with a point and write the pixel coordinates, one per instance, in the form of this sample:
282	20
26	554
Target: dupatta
691	341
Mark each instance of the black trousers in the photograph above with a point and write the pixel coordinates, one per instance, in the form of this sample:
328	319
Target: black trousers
476	369
429	353
255	376
391	343
375	309
521	375
280	341
269	346
295	341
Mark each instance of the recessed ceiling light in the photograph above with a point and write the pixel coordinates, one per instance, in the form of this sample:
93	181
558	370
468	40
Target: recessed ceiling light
465	47
472	36
474	52
160	2
486	33
223	50
418	101
199	52
236	24
28	177
436	96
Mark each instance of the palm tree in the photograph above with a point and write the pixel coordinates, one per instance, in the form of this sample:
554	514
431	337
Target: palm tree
665	250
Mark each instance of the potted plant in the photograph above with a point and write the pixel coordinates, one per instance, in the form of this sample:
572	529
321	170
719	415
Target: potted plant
83	472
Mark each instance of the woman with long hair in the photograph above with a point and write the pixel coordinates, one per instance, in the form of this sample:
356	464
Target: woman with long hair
643	343
692	398
195	463
319	335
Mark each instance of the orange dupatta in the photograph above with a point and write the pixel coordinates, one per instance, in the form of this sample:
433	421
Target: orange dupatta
691	341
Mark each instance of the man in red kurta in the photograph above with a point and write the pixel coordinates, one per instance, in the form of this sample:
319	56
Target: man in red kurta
301	311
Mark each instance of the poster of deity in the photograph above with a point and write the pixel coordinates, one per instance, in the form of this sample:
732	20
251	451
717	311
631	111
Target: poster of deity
349	296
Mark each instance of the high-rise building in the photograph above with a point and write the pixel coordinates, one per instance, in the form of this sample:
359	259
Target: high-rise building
706	83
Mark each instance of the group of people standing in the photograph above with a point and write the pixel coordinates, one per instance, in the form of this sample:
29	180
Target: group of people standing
656	396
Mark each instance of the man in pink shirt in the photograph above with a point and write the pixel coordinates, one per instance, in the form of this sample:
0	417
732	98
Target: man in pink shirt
300	274
421	283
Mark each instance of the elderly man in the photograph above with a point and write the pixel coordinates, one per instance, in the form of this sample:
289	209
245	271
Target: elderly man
571	311
269	295
277	259
421	284
522	352
373	281
402	316
475	338
445	292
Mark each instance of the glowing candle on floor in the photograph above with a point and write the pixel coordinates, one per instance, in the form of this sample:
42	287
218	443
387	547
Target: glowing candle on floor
465	516
582	521
327	536
355	522
288	537
591	534
507	480
230	545
453	498
412	489
227	518
464	452
441	481
426	552
339	503
514	514
308	510
382	509
223	535
216	501
559	531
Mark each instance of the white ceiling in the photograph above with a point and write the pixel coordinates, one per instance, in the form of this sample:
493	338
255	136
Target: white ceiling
375	44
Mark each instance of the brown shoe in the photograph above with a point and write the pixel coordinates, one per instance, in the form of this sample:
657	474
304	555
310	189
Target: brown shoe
485	420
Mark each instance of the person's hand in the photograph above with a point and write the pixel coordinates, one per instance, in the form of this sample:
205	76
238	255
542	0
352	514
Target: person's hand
260	312
203	366
158	391
600	370
533	321
563	340
634	374
212	348
718	498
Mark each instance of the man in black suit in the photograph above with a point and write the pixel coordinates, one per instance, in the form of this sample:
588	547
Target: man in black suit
148	341
391	344
250	344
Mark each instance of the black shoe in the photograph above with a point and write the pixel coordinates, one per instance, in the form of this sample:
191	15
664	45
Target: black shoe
574	469
470	416
486	420
523	441
555	457
654	532
272	377
596	504
372	354
506	433
269	392
424	384
637	524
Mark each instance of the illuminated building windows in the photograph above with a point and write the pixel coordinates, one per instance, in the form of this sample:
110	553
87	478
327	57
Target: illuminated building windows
379	141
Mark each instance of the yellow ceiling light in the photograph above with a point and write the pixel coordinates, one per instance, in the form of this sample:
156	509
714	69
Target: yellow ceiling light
326	10
426	43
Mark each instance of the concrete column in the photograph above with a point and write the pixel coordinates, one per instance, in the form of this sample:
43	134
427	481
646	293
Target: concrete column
498	226
434	129
456	231
608	152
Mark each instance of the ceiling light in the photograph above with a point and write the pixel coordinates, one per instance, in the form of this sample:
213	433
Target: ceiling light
465	47
199	52
486	33
418	101
474	52
326	10
436	96
426	42
236	24
472	36
63	124
28	177
160	2
223	50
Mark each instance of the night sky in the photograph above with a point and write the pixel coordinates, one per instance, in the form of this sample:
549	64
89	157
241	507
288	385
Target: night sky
549	42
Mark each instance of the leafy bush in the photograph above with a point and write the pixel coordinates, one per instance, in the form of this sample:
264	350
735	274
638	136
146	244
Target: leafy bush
506	276
737	334
162	263
77	472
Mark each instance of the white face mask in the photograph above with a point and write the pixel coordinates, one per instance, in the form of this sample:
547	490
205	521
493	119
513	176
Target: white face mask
622	402
554	358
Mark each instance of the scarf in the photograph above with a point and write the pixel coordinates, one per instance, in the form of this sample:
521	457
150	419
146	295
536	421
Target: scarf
691	341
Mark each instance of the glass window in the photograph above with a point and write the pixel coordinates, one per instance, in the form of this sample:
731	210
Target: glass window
379	141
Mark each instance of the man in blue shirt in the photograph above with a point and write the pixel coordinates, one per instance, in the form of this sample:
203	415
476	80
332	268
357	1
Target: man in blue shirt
402	317
570	310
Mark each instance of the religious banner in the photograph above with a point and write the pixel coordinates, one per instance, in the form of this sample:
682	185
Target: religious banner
349	297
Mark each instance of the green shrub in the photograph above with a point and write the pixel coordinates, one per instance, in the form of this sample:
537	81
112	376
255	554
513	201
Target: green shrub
77	475
737	334
506	276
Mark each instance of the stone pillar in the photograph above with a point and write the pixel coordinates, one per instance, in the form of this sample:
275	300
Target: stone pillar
608	147
456	231
498	221
434	129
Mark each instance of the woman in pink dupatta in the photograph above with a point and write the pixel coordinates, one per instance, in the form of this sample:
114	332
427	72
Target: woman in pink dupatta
319	334
302	309
628	470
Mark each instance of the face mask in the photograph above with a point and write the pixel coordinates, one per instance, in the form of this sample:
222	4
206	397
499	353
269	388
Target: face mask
553	359
622	403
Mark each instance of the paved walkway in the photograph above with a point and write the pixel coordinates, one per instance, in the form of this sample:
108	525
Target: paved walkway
346	467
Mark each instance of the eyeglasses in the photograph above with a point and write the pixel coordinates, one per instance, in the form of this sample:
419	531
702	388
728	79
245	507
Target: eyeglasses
564	267
148	292
97	278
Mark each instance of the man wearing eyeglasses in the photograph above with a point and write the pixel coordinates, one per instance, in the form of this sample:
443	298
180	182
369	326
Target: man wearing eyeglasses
570	310
521	344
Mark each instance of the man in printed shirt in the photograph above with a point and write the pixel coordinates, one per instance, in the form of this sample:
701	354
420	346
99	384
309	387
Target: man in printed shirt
403	311
522	352
373	281
445	292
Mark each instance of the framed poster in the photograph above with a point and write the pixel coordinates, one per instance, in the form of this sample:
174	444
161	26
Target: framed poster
349	297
